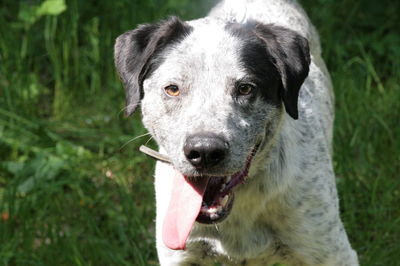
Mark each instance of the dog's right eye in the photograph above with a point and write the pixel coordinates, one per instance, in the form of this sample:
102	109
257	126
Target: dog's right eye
172	90
245	89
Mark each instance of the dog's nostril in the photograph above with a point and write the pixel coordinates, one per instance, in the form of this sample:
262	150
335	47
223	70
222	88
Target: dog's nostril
216	156
194	155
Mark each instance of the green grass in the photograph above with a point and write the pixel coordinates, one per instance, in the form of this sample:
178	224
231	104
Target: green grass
75	191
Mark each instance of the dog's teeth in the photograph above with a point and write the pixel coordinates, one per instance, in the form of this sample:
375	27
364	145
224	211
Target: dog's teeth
222	188
228	179
224	201
213	216
212	210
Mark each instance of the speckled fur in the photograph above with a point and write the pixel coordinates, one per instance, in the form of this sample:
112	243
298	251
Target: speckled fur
287	211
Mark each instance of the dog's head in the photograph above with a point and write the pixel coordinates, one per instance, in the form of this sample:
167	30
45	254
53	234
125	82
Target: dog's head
212	95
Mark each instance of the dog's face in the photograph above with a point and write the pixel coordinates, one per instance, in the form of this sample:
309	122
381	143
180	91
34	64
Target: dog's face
212	95
203	92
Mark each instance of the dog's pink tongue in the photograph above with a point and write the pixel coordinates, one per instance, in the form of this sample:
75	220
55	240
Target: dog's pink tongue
182	211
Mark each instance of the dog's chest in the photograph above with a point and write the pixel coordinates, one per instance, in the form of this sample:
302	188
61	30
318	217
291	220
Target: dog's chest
212	251
241	240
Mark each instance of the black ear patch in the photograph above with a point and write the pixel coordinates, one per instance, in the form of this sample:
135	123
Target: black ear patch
283	49
136	54
292	56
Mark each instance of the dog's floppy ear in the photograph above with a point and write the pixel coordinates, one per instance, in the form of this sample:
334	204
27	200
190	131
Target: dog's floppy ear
292	58
136	52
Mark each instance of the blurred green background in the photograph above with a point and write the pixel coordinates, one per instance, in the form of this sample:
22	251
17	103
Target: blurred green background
74	190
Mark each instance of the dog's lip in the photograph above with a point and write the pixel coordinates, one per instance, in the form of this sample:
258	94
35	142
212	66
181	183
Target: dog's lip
219	197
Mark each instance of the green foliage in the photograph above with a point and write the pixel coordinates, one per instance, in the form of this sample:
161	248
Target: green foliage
75	191
29	13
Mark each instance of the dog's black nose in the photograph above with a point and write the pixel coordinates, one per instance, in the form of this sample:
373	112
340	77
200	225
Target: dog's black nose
205	150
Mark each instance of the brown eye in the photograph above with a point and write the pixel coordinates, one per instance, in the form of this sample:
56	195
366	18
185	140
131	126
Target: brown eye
245	89
172	90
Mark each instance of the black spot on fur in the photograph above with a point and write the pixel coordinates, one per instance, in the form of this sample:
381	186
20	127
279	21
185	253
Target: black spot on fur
277	57
281	250
316	214
136	54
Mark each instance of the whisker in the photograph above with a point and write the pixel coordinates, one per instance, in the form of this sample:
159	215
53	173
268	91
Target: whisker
135	138
216	227
122	111
126	107
147	142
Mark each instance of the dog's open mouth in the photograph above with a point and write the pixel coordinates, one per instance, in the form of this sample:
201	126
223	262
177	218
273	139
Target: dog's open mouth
216	203
205	199
218	196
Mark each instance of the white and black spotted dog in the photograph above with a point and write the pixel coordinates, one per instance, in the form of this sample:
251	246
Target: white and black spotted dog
242	104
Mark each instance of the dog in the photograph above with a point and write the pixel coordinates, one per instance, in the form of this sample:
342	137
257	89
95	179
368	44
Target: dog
242	104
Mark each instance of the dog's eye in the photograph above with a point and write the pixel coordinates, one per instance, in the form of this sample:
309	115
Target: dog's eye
245	89
172	90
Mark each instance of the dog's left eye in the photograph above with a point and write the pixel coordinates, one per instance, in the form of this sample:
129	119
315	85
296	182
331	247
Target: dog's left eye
172	90
245	89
